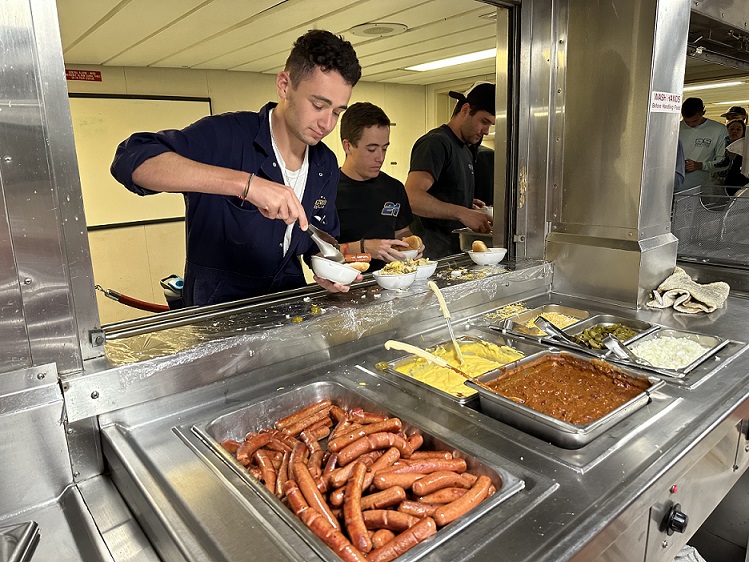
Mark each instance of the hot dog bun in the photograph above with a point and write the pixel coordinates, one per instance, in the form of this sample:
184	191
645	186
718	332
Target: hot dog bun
361	266
479	246
414	242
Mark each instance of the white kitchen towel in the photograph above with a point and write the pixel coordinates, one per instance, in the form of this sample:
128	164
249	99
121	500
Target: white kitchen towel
689	554
685	295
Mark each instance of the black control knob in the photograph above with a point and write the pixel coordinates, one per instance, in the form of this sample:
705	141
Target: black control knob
675	521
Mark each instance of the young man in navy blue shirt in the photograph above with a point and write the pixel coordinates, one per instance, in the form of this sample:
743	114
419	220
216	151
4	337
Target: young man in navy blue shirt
252	181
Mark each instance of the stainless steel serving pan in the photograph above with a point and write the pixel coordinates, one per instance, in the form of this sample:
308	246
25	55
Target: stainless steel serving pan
641	327
472	399
263	412
560	433
711	343
516	324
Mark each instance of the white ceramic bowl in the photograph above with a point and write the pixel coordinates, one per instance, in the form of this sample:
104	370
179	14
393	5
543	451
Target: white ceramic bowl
333	271
402	281
491	257
410	254
425	271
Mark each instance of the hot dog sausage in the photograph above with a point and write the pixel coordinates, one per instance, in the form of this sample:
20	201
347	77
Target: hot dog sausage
358	415
338	414
404	541
330	536
392	425
418	509
266	466
414	442
304	423
336	496
427	466
388	519
464	504
352	510
420	455
298	454
230	445
381	440
385	480
252	444
313	496
381	537
301	414
438	480
387	459
350	258
340	476
283	475
296	499
383	499
445	495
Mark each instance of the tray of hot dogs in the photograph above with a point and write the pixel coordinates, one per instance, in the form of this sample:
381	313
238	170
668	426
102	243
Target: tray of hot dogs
355	480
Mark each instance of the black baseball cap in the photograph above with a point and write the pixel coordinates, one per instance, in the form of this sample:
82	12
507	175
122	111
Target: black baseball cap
735	110
481	95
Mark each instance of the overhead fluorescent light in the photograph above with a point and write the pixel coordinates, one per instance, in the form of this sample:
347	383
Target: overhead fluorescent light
454	61
711	86
737	102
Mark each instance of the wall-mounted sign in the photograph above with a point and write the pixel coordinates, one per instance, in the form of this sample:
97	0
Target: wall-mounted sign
665	102
84	75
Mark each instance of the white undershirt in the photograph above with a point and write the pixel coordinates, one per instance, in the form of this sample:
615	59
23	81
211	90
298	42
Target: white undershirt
296	180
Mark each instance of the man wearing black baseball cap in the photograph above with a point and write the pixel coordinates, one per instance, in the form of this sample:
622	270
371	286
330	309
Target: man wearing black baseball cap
440	183
736	112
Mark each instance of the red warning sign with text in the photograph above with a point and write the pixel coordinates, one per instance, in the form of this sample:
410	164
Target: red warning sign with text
84	75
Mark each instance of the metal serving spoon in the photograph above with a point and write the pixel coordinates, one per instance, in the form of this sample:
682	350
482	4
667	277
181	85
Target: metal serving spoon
327	244
446	313
622	351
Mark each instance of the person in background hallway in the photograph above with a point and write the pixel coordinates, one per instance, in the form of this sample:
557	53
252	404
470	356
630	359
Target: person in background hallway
248	178
736	112
440	183
704	142
735	179
483	172
372	206
680	173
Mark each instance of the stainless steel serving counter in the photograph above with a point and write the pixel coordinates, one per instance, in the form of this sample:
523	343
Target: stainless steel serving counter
603	501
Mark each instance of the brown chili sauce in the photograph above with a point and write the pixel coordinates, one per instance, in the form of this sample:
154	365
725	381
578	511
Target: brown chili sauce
569	388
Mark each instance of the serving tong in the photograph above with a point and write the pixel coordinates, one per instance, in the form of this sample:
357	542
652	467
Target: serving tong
327	244
622	351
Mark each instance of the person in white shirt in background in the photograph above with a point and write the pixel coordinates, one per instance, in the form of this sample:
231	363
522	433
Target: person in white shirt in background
704	142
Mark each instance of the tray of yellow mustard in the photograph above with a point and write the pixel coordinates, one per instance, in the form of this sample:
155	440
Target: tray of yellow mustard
481	356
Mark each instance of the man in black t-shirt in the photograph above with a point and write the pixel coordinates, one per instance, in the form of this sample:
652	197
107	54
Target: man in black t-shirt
372	207
440	183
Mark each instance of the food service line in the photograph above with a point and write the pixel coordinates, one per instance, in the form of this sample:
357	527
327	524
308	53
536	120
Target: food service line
606	500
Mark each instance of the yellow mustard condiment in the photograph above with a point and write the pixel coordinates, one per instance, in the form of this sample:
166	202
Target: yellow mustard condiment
481	357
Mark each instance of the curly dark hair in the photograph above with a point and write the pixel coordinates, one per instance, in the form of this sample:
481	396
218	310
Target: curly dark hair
320	48
360	116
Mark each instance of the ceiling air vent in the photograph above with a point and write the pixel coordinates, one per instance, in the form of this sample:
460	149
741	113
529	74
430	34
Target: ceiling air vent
378	29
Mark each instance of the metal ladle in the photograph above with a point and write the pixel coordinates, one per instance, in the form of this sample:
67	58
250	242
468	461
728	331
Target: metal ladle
622	351
327	244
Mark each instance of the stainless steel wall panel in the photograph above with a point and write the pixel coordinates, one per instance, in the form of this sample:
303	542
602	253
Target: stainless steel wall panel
733	12
618	156
537	51
33	440
46	221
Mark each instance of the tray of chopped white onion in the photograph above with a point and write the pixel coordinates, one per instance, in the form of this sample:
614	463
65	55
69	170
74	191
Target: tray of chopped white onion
672	353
